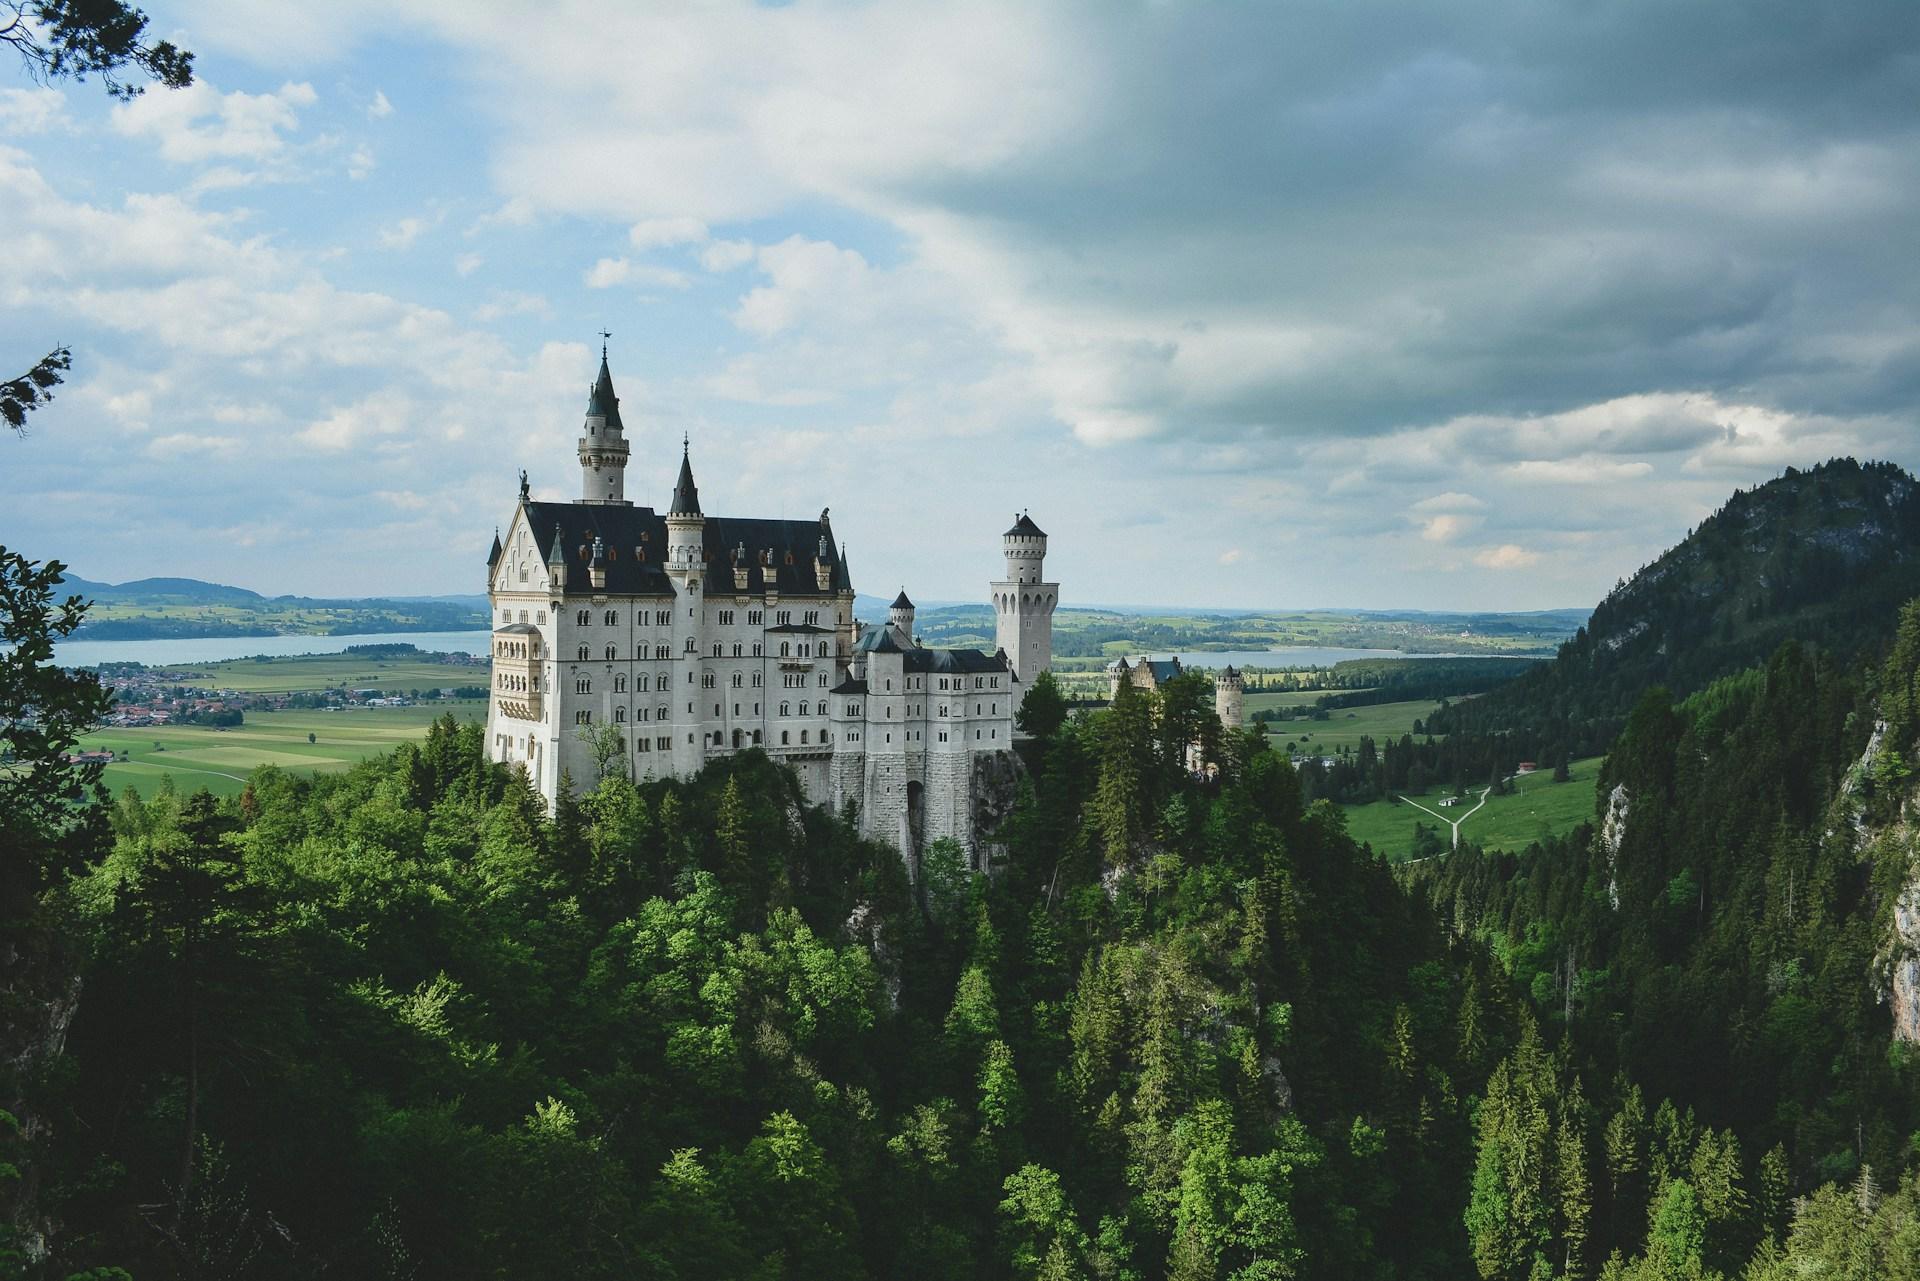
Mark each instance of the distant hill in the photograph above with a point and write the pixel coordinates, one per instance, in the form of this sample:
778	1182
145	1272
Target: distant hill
1823	556
151	608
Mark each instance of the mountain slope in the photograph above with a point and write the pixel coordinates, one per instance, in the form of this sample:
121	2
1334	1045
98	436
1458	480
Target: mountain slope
1824	556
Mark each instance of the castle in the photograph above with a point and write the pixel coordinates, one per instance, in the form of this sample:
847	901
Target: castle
1229	687
651	644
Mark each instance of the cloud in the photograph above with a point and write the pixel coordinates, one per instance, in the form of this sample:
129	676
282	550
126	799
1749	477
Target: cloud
31	111
403	233
467	264
1231	556
656	233
199	124
379	108
1505	556
360	163
190	445
608	272
1445	528
509	302
726	255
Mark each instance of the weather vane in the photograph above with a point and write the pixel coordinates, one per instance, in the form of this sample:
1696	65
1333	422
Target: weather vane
604	335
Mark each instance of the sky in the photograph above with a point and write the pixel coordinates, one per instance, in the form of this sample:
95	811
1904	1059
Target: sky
1345	304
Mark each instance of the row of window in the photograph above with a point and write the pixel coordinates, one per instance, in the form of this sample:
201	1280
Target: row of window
663	617
584	654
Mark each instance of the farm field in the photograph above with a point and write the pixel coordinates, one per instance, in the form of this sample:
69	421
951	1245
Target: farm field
197	756
329	671
1538	807
1347	726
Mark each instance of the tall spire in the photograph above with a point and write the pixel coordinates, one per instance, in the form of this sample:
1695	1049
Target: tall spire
686	498
601	402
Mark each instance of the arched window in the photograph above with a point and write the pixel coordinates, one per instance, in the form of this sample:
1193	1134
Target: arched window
582	685
583	617
786	709
660	681
737	680
612	619
736	649
583	717
610	653
690	645
822	652
783	738
583	654
756	738
783	649
659	651
620	715
619	684
716	649
803	736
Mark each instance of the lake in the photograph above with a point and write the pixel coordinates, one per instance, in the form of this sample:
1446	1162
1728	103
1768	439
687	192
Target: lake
171	651
166	653
1295	656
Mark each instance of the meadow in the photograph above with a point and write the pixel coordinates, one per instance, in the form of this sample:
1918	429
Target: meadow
1538	807
197	756
290	674
1381	722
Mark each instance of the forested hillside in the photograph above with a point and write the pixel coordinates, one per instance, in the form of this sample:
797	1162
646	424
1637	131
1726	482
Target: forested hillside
1825	557
404	1023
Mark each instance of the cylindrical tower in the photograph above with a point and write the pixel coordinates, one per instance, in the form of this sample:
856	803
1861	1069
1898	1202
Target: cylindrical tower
1023	602
603	443
1229	699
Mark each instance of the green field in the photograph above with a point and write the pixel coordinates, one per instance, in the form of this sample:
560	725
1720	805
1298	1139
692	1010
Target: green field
1380	722
327	671
1539	807
197	756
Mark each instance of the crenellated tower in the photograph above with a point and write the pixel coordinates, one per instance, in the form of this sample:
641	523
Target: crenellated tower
1023	601
603	444
1229	698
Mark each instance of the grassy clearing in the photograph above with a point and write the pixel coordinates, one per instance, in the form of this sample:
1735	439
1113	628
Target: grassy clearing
219	759
327	671
1380	722
1539	807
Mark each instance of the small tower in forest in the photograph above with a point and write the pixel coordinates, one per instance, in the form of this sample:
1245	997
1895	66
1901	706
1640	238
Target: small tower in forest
603	443
1230	699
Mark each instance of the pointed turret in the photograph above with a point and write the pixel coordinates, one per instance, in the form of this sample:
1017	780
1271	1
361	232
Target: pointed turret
603	443
686	498
601	402
557	558
493	557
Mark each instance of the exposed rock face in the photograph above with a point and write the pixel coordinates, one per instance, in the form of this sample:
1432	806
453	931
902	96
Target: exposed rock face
1613	830
1904	979
995	787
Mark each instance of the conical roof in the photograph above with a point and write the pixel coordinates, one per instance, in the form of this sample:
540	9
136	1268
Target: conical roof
686	497
601	402
1024	525
901	601
493	557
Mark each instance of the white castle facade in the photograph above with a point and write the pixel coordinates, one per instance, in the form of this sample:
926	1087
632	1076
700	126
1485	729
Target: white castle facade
684	637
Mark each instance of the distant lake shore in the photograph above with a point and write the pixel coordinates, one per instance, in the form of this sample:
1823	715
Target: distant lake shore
173	651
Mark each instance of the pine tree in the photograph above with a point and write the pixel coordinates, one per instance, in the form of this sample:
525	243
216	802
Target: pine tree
1574	1186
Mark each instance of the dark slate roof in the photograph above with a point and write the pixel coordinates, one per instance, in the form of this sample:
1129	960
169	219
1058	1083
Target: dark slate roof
635	540
849	686
686	498
1163	669
1025	526
808	628
878	640
948	661
518	629
901	601
601	402
493	557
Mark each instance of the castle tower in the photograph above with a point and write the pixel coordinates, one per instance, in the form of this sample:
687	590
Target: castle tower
1229	699
686	556
900	617
1023	603
603	446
